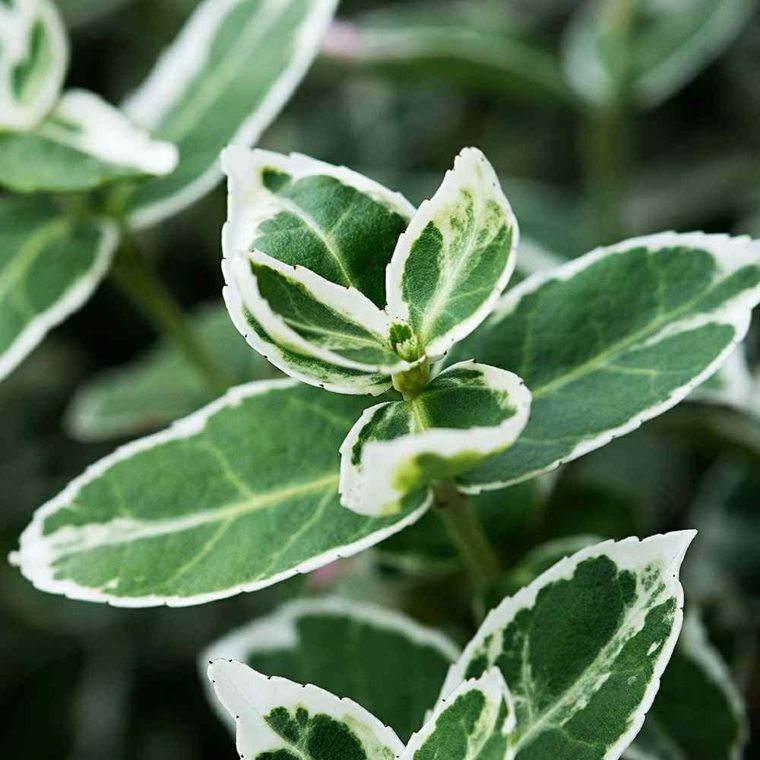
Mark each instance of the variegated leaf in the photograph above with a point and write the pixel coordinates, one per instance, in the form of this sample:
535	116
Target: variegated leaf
698	713
236	497
475	722
277	718
397	665
49	266
583	647
613	339
468	413
34	54
310	315
82	144
335	222
455	258
224	79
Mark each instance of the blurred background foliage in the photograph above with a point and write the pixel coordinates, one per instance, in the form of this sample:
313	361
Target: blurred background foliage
400	88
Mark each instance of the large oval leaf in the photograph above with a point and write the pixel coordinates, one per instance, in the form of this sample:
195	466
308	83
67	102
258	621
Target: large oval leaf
613	339
49	266
237	496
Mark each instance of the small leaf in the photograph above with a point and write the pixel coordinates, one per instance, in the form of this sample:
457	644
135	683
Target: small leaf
49	266
732	385
236	497
34	54
338	224
475	722
315	317
613	339
397	665
224	79
468	413
84	143
455	258
669	44
160	385
277	718
583	647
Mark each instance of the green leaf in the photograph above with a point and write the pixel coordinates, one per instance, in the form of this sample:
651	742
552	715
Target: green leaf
583	647
613	339
49	266
475	722
84	143
160	385
468	413
236	497
313	316
224	79
456	256
669	44
396	667
698	712
34	54
335	222
277	718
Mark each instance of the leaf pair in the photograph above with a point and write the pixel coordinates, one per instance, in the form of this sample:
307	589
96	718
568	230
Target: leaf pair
582	649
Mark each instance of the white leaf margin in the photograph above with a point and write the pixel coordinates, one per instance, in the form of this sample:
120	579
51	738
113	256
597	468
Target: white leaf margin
184	59
471	168
34	553
628	554
495	690
16	24
369	490
249	695
730	253
72	300
277	631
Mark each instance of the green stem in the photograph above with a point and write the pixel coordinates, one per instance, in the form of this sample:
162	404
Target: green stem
145	289
461	520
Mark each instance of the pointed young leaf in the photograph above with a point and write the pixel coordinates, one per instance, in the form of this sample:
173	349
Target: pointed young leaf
84	143
613	339
583	647
277	718
49	266
397	665
223	80
335	222
34	54
236	497
455	258
475	722
315	317
161	385
468	413
698	713
668	45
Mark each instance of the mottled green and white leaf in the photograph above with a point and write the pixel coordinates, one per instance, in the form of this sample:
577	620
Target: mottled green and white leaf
236	497
224	79
583	647
732	385
49	266
613	339
34	54
698	713
82	144
470	412
396	667
475	722
330	220
455	258
161	385
667	43
277	718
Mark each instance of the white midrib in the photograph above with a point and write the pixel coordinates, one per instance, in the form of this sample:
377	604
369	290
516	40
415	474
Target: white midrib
70	540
